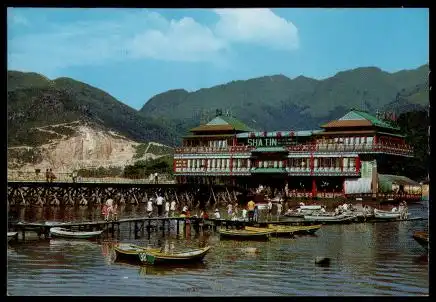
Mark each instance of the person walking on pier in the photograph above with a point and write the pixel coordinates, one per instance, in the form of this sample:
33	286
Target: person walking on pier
167	209
159	203
156	178
173	208
256	214
229	210
279	210
250	207
47	175
269	214
150	207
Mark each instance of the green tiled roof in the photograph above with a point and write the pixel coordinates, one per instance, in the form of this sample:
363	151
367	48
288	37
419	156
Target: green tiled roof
374	120
268	170
235	123
270	149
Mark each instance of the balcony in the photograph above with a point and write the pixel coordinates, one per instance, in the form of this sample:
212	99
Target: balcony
213	150
403	150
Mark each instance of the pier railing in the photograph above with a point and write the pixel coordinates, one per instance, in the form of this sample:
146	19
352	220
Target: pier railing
66	177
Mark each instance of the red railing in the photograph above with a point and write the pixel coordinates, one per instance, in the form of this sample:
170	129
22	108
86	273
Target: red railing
392	148
197	150
395	149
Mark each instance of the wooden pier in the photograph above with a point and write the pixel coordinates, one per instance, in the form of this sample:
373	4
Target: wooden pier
140	224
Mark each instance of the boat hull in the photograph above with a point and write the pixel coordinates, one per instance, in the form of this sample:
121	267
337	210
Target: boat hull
421	238
156	258
131	252
64	233
384	215
287	230
245	234
12	235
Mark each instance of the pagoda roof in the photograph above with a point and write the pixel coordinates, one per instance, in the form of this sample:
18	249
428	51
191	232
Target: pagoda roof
223	123
358	118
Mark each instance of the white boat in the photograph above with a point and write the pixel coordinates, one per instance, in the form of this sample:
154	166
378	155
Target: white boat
379	214
12	235
329	218
66	233
311	208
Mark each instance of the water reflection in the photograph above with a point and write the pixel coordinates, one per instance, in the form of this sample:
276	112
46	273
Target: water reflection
366	259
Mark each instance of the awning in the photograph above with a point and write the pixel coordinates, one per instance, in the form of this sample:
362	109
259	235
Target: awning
268	170
270	149
385	182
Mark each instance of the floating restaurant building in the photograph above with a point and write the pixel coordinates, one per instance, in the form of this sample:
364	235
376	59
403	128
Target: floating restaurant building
349	157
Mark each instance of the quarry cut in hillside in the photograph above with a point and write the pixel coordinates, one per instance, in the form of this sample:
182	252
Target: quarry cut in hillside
82	146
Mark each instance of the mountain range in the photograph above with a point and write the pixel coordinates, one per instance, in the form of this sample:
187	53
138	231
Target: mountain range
266	103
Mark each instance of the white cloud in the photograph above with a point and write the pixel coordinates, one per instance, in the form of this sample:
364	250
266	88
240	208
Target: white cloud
257	25
145	35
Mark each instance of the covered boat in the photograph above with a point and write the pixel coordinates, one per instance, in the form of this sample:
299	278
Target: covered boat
187	256
66	233
130	252
12	235
421	238
258	234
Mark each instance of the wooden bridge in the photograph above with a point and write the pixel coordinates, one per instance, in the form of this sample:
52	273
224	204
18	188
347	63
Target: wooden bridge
139	224
95	193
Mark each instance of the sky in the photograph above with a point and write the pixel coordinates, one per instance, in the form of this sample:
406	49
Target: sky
134	54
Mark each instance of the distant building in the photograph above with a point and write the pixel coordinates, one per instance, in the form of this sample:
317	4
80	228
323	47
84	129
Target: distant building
351	156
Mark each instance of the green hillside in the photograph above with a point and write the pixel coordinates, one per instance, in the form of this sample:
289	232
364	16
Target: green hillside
278	102
34	100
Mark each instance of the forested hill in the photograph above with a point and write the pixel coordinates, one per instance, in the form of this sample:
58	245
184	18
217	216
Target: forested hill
278	102
35	101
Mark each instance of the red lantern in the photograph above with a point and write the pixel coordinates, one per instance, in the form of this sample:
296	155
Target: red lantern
252	134
264	133
292	133
279	134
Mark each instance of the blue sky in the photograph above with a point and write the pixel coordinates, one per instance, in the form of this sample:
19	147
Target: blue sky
134	54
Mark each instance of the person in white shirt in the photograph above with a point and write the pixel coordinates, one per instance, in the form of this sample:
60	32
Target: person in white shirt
185	209
279	210
167	208
159	203
394	209
244	213
173	208
217	214
269	206
149	207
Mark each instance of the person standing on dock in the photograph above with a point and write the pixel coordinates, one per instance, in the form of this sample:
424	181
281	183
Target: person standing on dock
256	214
251	206
159	203
167	209
279	210
229	210
269	207
156	178
173	208
47	175
150	207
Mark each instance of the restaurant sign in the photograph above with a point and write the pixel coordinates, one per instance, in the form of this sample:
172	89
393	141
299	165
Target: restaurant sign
270	141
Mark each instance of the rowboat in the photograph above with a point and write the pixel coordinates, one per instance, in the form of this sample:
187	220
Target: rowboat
379	214
130	252
311	208
155	257
421	238
279	230
259	234
66	233
326	218
12	235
